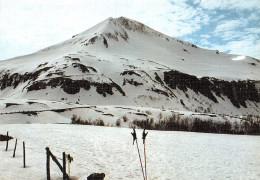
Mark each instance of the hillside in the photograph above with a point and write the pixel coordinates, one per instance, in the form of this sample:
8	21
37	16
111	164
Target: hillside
123	63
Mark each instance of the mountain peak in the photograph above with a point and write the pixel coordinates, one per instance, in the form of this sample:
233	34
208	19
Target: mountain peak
120	25
131	24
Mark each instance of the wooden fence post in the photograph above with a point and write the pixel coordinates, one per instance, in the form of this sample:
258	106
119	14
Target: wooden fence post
69	163
64	166
7	143
23	154
15	148
48	164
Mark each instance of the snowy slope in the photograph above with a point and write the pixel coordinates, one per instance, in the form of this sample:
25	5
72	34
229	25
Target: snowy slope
123	62
134	41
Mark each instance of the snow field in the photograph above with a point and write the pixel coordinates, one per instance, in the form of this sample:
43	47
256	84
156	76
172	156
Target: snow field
170	155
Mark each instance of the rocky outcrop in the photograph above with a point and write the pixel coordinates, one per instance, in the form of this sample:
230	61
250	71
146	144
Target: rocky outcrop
73	86
238	92
15	79
83	68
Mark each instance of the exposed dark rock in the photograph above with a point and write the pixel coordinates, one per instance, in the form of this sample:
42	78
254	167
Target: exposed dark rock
113	36
192	45
141	114
15	79
157	77
183	81
185	50
83	68
104	89
159	91
108	114
37	86
130	73
182	102
131	25
96	176
11	104
132	82
124	36
31	102
93	40
75	59
237	92
30	113
105	42
73	86
42	64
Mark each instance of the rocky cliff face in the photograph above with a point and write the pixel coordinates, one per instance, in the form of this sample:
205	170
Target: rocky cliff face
237	92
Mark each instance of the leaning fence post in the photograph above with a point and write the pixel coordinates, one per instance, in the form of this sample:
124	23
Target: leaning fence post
23	154
15	148
64	166
48	164
7	142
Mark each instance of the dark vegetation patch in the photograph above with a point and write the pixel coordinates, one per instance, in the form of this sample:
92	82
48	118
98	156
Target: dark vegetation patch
11	104
249	126
78	120
237	92
83	68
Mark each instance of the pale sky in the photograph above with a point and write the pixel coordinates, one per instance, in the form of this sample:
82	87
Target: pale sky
231	26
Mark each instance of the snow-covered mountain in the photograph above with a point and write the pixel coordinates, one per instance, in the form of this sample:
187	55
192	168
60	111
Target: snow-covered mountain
121	62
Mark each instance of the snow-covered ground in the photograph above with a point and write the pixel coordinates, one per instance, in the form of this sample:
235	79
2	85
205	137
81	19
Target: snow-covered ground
170	155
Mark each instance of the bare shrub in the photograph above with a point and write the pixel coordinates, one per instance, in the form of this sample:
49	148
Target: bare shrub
118	122
148	112
125	119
